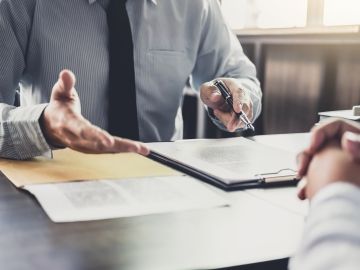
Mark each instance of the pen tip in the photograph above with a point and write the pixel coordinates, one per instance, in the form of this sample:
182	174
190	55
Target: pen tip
251	127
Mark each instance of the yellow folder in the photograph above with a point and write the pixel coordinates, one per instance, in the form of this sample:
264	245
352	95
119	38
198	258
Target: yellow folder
68	165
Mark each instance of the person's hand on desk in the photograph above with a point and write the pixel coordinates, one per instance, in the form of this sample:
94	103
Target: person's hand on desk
346	135
64	126
212	98
329	165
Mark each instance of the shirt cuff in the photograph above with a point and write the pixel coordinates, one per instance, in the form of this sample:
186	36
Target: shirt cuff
334	190
215	120
26	134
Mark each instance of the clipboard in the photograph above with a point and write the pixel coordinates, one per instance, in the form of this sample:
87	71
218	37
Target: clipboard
230	164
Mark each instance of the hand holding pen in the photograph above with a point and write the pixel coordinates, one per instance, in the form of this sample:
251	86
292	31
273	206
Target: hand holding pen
230	104
226	94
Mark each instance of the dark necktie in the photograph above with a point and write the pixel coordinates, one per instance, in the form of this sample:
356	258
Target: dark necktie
122	113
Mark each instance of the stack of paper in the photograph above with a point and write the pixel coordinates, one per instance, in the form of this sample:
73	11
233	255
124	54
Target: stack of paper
117	185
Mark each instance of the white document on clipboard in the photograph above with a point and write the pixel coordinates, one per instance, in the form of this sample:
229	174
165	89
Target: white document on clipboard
231	163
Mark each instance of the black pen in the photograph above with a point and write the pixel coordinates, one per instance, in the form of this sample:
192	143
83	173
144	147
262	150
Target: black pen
225	92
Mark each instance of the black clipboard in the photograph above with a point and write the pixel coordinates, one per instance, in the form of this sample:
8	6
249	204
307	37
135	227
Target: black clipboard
280	177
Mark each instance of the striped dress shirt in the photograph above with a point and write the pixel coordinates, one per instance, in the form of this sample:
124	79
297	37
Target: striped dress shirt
331	238
174	40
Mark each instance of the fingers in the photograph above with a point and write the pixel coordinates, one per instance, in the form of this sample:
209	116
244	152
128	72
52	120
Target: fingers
230	120
125	145
303	160
242	100
82	136
350	142
119	146
333	129
329	132
67	80
238	103
64	88
301	189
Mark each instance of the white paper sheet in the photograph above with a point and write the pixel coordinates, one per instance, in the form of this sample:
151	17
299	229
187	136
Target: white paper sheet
104	199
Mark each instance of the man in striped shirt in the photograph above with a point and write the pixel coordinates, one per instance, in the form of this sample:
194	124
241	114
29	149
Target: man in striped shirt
173	42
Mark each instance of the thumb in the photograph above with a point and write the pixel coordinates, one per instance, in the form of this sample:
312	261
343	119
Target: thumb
64	87
351	143
301	189
211	96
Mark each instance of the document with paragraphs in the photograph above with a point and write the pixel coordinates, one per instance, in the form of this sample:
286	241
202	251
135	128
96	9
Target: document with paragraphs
105	199
231	163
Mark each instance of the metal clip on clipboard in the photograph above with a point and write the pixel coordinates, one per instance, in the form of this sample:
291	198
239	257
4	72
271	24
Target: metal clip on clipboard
279	176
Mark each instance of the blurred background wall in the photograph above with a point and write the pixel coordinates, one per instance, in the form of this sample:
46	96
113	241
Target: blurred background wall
307	54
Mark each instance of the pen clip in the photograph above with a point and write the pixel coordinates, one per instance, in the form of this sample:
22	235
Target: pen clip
225	93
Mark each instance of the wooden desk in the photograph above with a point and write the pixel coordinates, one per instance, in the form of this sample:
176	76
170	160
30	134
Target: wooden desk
200	239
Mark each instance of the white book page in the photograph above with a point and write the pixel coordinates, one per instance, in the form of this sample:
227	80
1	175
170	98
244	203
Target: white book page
104	199
230	160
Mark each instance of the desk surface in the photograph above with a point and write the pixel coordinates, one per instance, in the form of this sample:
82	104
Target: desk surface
259	226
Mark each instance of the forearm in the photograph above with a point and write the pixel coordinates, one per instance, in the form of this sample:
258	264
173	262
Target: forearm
332	236
20	132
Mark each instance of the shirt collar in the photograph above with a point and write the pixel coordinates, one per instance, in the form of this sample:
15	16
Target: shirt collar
153	1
